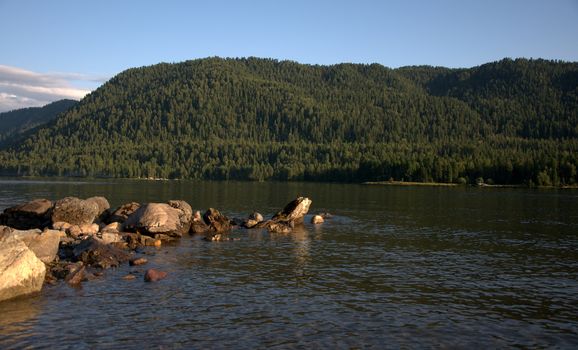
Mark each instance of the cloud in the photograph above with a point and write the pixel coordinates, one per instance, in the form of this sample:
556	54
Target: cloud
21	88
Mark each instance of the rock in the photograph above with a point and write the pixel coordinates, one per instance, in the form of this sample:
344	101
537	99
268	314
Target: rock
250	223
82	230
325	215
137	261
199	227
34	214
76	274
112	227
75	211
21	272
279	227
110	237
123	212
317	219
160	218
216	221
61	226
129	277
255	216
94	253
74	231
294	211
102	204
153	275
43	244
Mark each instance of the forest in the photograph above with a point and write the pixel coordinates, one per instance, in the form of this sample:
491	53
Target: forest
505	122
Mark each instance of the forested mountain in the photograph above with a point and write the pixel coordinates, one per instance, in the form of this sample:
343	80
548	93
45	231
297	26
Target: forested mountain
15	124
512	121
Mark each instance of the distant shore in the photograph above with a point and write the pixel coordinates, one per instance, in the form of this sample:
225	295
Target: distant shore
445	184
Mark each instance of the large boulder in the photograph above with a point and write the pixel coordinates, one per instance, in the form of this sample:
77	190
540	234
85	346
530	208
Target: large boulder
216	221
161	219
294	211
34	214
21	272
75	211
123	212
93	252
103	206
43	244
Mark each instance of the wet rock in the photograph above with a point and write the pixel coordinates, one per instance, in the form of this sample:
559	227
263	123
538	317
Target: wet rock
317	219
198	224
76	274
216	221
75	211
255	216
34	214
160	218
43	244
129	277
153	275
137	261
94	253
294	211
279	227
21	272
123	212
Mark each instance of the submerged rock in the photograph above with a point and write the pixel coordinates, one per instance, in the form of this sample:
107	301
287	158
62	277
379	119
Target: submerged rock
34	214
75	211
153	275
94	253
137	261
317	219
21	272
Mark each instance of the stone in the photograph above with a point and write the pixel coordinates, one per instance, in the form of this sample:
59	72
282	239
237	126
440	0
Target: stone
75	211
250	223
33	214
93	252
102	204
123	212
89	229
216	221
153	275
21	272
112	227
160	218
137	261
43	244
294	211
317	219
76	274
279	227
129	277
61	226
74	231
255	216
110	237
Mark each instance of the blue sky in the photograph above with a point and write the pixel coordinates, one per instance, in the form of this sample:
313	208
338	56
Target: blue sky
76	45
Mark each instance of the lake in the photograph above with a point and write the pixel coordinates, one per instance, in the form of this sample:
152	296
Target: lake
410	267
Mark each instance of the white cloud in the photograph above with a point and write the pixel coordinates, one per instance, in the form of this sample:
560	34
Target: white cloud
21	88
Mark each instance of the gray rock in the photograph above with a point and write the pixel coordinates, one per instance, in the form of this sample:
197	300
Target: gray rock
102	204
75	211
160	219
34	214
21	272
43	244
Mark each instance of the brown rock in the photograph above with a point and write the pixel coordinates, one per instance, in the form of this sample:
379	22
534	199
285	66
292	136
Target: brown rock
137	261
123	212
75	211
129	277
61	226
153	275
294	211
93	252
34	214
216	221
317	219
76	274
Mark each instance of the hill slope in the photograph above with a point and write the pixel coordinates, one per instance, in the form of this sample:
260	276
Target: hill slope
512	121
15	124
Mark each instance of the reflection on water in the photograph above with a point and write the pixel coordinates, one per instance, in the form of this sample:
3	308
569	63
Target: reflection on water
406	267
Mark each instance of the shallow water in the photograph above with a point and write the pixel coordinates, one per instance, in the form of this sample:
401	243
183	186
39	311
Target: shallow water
395	267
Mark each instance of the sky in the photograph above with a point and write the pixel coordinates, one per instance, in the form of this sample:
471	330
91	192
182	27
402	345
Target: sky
57	49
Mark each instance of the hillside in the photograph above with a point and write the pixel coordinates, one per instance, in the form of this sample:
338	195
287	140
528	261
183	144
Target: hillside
15	124
512	121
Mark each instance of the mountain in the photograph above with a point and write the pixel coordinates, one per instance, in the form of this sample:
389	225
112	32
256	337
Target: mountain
509	122
16	124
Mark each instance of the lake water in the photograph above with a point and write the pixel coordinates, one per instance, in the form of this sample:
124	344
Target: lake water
408	267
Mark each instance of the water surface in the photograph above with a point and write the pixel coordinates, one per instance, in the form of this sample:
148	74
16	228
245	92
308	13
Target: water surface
395	267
